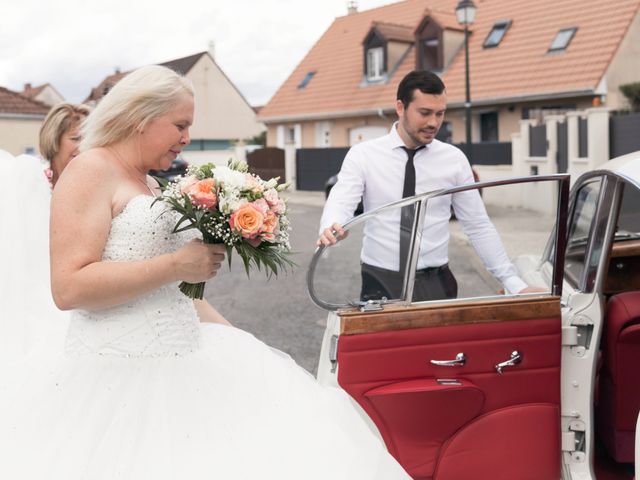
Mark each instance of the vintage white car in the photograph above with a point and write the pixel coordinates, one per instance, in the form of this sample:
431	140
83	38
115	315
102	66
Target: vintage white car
494	386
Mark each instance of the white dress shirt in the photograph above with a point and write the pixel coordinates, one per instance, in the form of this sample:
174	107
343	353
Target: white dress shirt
374	170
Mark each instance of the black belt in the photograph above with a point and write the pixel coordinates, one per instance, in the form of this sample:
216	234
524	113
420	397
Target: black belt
422	271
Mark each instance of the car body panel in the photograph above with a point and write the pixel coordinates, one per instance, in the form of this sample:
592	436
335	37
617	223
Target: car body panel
383	360
381	356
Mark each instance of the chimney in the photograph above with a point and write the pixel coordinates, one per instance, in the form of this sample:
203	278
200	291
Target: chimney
212	49
27	87
352	7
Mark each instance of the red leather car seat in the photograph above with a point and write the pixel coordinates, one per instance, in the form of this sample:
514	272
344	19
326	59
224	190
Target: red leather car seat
619	396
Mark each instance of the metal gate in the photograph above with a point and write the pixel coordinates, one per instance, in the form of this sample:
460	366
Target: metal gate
314	166
267	163
623	134
562	155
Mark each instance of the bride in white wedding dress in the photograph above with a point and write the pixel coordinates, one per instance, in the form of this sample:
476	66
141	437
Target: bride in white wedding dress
142	390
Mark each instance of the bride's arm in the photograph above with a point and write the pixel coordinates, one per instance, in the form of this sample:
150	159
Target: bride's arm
208	314
80	224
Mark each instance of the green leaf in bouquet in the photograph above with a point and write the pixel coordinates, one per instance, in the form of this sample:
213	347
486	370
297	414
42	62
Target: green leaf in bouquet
188	206
183	219
229	252
184	229
206	170
162	182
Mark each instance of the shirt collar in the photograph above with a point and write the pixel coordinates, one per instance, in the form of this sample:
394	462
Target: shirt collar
396	142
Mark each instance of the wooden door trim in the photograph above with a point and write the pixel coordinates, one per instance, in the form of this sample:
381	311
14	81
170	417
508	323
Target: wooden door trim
397	317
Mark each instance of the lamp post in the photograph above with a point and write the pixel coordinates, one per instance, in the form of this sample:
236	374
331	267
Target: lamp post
466	14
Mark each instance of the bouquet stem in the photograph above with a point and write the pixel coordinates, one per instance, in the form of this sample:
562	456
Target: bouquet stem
192	290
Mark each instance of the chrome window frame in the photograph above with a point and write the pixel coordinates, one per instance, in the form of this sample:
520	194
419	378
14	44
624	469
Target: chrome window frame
420	202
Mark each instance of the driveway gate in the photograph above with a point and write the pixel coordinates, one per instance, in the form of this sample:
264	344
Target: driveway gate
267	163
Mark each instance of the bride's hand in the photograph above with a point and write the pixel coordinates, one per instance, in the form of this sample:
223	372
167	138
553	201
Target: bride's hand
196	261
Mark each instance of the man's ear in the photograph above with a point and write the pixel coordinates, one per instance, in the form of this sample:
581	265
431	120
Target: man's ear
399	108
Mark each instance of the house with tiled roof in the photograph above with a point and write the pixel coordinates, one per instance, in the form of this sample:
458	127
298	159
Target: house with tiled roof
527	59
45	93
20	122
222	115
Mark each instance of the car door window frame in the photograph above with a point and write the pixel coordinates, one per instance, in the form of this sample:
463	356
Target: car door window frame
420	202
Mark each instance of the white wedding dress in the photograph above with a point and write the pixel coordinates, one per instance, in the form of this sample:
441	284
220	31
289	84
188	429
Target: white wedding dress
28	317
144	391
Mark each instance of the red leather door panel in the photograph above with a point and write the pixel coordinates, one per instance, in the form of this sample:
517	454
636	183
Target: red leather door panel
460	429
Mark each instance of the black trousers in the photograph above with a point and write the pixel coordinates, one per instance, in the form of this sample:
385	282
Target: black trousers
433	283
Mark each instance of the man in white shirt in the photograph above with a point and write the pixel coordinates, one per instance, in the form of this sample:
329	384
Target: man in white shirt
408	161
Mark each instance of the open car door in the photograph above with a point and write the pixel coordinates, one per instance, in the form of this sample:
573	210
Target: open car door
461	388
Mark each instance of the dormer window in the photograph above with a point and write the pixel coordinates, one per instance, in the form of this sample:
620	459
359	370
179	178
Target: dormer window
497	34
431	54
430	51
384	47
375	63
562	39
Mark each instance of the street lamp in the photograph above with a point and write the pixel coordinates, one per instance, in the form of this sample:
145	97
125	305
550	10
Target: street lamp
466	14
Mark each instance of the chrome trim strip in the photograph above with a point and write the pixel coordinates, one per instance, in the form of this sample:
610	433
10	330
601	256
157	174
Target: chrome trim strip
414	251
562	213
592	230
609	233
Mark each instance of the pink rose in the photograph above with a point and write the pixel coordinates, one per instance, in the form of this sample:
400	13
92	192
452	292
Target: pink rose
262	205
271	196
280	207
269	227
247	220
187	183
202	193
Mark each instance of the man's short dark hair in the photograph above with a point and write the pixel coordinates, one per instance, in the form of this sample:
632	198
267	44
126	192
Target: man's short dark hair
423	80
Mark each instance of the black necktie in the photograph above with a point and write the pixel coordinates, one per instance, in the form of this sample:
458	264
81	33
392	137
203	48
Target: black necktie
406	213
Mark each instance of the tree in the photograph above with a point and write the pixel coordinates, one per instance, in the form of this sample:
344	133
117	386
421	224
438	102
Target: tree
260	139
632	92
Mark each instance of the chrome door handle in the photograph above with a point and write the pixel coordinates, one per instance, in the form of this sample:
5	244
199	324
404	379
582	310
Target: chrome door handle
460	360
516	357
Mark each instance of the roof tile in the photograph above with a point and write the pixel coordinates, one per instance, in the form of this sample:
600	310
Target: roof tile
520	65
15	103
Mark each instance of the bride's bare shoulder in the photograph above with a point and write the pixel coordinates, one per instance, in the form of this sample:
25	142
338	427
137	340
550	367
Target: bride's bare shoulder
89	174
91	167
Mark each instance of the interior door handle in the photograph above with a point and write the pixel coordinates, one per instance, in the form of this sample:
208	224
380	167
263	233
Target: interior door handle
459	361
516	357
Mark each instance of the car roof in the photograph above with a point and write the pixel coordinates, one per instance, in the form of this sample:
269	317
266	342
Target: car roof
627	166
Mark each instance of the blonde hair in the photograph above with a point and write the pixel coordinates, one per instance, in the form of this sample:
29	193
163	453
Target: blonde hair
138	98
60	118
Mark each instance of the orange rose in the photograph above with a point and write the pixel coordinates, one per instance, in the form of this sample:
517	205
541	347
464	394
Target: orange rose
247	220
202	193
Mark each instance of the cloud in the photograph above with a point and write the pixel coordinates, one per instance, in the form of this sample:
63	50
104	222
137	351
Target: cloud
74	44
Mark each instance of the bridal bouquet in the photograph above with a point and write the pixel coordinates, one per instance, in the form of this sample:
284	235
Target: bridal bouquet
230	206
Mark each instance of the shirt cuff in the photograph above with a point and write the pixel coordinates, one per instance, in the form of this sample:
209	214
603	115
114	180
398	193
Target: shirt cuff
514	284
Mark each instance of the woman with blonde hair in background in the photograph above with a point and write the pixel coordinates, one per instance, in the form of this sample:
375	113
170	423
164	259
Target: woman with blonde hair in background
28	316
143	390
60	136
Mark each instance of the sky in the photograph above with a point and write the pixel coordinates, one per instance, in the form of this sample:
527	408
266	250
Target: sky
75	44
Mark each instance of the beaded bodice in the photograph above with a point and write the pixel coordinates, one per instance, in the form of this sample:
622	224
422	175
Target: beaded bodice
163	322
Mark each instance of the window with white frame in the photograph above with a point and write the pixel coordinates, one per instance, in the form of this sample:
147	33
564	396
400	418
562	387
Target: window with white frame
375	63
